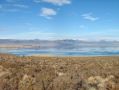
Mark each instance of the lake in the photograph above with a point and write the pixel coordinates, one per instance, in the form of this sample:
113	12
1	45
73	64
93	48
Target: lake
90	51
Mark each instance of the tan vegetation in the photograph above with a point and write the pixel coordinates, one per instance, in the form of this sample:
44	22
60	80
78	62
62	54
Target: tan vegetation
58	73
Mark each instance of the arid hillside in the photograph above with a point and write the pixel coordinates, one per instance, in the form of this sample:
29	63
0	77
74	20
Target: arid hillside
59	73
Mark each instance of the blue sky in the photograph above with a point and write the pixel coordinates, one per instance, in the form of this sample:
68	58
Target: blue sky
59	19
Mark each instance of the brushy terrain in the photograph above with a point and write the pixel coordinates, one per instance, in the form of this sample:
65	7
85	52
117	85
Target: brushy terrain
59	73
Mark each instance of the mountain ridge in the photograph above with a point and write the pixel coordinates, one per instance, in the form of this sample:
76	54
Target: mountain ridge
58	44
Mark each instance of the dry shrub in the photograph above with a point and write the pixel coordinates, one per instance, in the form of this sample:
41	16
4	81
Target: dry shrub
99	83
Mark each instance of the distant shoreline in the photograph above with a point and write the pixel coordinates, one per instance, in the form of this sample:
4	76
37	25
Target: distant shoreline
60	56
79	52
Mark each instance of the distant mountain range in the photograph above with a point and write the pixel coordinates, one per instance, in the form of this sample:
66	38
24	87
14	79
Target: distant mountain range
56	44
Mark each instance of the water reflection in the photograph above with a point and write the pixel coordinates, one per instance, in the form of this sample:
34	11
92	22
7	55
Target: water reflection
98	51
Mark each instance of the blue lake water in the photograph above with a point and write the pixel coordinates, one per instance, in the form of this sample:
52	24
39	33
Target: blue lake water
79	52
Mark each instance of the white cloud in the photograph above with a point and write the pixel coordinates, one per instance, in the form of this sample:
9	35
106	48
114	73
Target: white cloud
20	6
12	7
55	2
89	16
48	13
58	2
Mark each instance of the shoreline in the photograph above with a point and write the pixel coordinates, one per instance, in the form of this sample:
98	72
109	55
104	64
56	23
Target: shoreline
59	56
62	53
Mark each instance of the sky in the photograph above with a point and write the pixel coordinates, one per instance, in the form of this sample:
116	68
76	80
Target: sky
59	19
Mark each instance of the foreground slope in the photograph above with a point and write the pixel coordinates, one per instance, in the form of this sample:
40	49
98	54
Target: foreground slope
59	73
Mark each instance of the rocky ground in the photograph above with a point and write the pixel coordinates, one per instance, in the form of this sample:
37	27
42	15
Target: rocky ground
59	73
